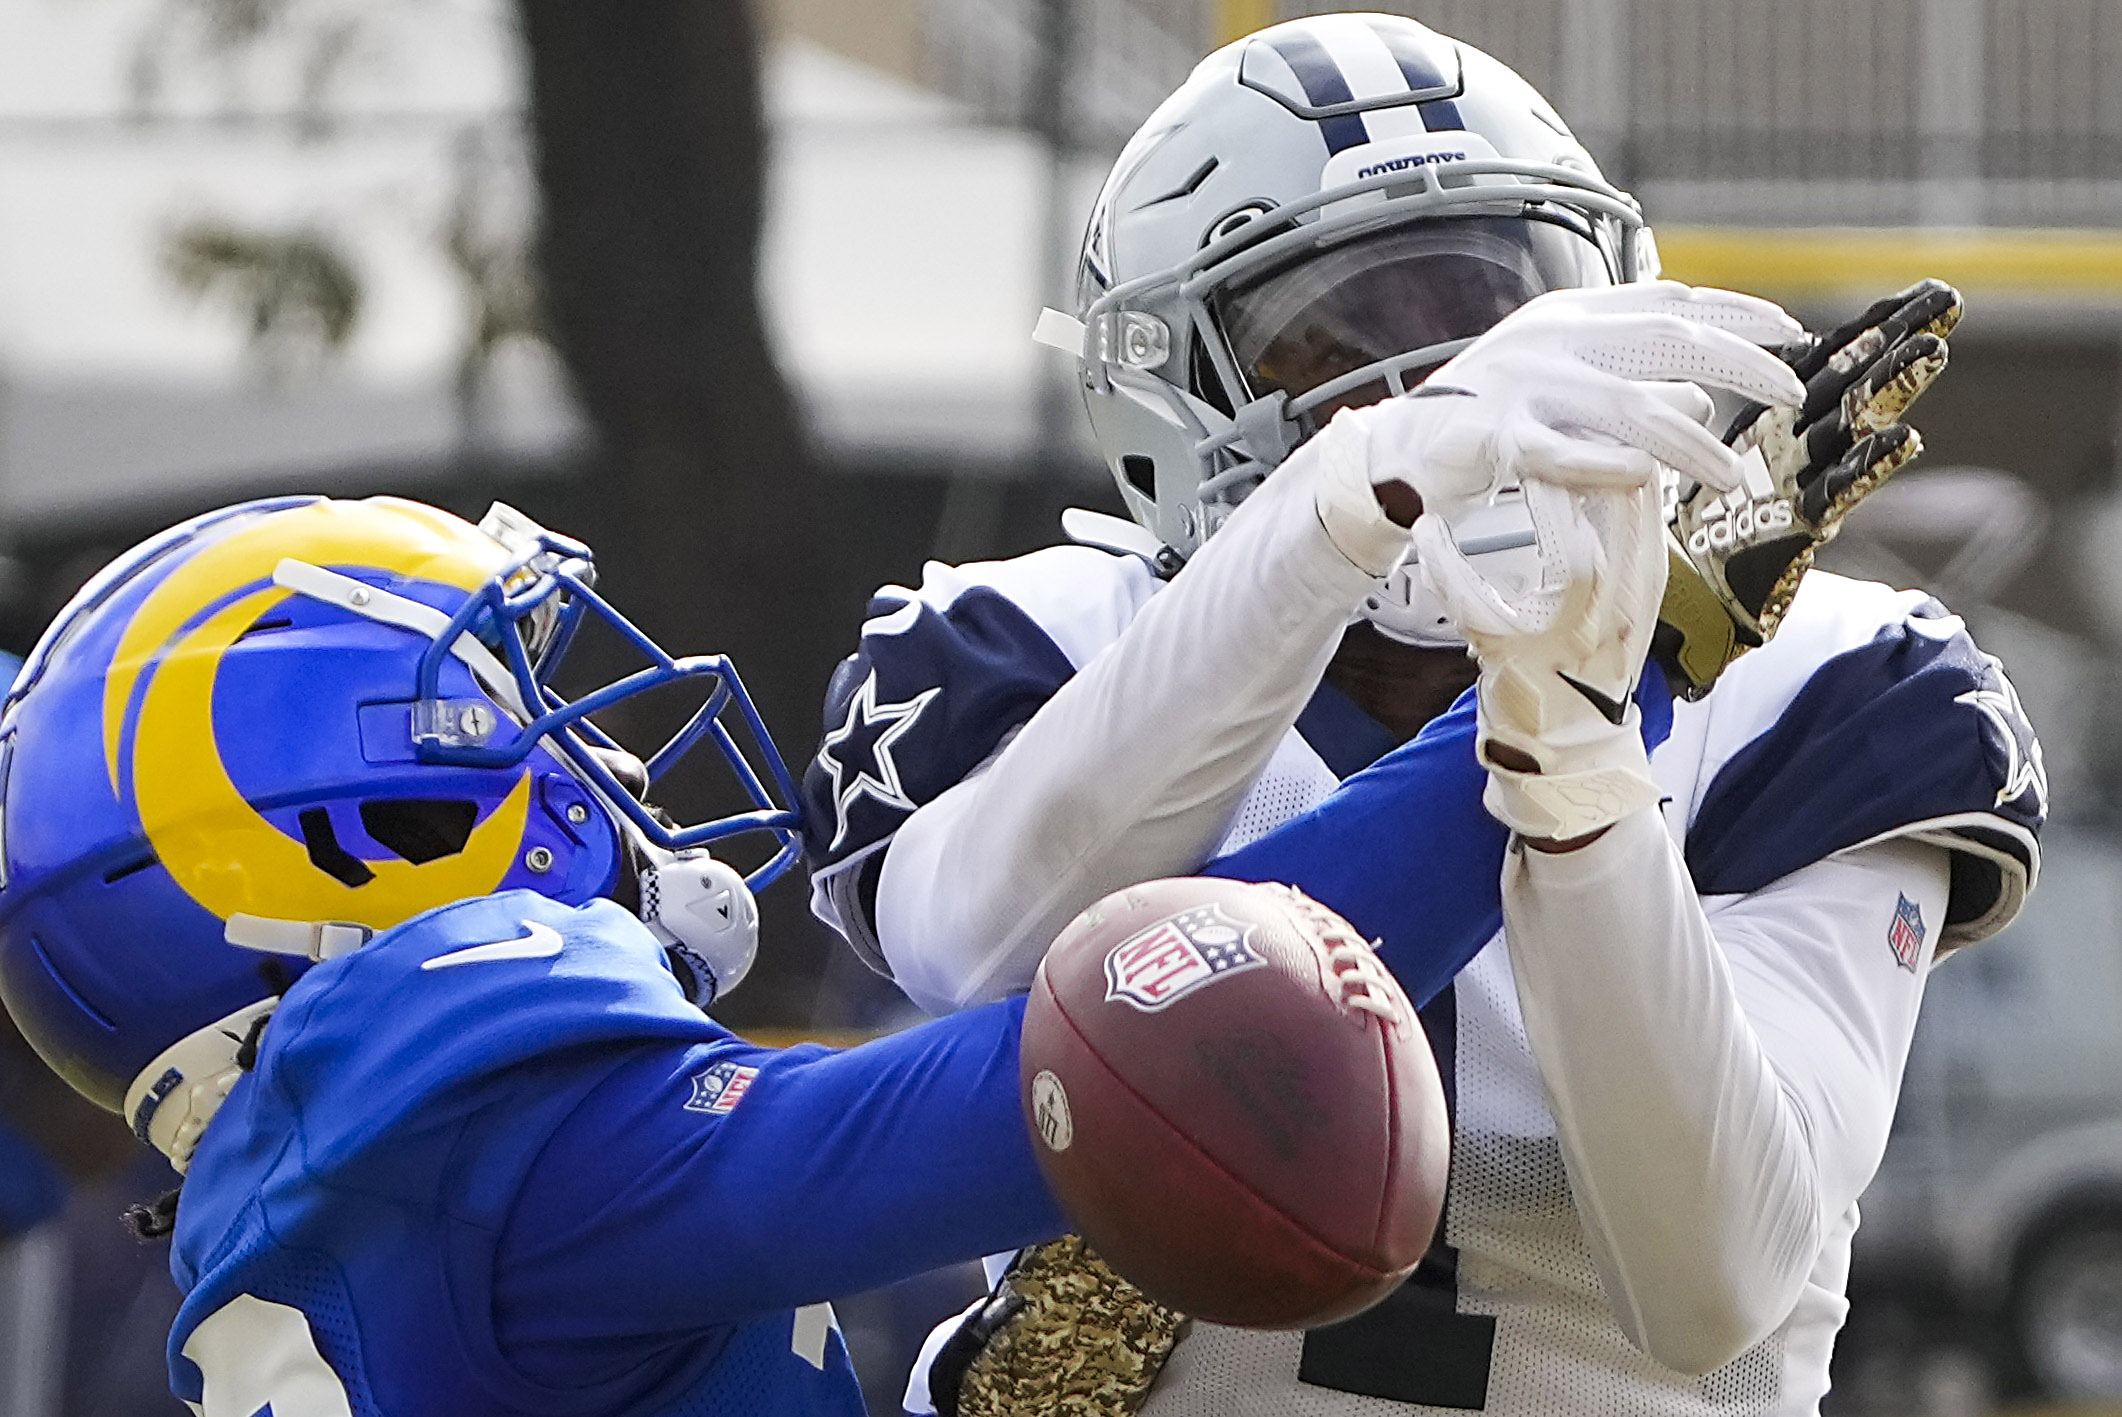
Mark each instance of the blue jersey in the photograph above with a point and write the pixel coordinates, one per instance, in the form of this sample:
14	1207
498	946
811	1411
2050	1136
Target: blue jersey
494	1163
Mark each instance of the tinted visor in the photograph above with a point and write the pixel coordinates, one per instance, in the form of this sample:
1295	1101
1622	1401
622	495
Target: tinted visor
1392	293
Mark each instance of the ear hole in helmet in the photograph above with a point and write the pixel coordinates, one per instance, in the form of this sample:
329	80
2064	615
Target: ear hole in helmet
1229	223
130	868
420	829
327	855
1141	474
267	626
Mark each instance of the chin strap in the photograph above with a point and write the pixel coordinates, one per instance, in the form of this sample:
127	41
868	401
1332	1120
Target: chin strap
176	1095
304	939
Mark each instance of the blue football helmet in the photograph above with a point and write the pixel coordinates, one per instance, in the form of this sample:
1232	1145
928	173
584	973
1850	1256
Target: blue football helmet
278	728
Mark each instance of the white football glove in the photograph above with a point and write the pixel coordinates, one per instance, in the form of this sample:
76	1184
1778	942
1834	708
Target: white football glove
704	916
1561	652
1574	388
1563	644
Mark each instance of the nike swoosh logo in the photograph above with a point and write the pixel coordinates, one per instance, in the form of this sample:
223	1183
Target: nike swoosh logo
543	942
1615	711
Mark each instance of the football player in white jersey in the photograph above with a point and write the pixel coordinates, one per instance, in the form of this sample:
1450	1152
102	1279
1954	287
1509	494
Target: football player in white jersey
1674	1079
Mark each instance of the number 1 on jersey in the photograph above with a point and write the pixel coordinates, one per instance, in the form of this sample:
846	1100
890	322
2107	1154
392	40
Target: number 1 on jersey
1415	1346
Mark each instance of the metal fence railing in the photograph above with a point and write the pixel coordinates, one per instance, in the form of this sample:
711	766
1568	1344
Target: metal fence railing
1126	55
1784	112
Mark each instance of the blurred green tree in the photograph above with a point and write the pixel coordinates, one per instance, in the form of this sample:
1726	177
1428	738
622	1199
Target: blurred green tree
295	292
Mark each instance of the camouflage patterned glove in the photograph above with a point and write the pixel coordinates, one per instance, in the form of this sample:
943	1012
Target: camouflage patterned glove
1061	1336
1737	558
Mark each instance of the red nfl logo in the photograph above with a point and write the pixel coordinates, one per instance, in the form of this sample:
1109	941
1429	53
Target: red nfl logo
1153	968
720	1088
1905	935
740	1083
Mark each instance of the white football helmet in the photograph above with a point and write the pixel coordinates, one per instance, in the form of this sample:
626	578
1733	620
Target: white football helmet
1323	213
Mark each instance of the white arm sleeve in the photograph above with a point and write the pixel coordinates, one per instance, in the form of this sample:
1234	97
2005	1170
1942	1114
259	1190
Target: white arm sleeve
1133	769
1722	1073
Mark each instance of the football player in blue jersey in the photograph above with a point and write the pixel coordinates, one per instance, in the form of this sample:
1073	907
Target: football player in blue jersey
1674	949
308	866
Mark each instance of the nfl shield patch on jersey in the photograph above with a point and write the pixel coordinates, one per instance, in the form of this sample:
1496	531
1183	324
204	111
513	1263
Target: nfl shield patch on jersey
1905	935
1158	966
720	1088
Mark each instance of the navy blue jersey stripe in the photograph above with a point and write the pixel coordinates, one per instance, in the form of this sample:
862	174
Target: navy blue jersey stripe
1442	115
1912	726
912	711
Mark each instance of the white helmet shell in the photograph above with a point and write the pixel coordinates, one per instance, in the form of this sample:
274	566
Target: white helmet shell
1305	148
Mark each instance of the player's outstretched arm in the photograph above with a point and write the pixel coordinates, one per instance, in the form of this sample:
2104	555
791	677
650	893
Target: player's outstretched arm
1405	852
1722	1073
701	1185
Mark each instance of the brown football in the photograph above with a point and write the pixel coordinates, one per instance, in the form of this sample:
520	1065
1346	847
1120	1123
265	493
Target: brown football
1234	1102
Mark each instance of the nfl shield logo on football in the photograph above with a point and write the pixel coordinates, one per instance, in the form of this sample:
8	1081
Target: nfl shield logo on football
1905	935
718	1090
1155	968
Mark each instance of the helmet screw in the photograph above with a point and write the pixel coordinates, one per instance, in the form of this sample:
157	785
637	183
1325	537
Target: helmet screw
539	859
475	720
359	596
577	813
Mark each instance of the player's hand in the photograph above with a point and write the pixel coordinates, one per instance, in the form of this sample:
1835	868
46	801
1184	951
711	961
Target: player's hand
1062	1335
1737	556
1580	388
1561	650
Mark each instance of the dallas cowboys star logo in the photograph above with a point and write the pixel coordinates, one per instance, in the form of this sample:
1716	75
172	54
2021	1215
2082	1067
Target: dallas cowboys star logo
1997	701
858	754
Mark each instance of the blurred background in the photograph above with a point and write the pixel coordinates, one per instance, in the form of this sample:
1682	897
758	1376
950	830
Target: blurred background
742	295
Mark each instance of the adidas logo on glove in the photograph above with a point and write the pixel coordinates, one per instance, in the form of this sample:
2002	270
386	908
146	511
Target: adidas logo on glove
1736	518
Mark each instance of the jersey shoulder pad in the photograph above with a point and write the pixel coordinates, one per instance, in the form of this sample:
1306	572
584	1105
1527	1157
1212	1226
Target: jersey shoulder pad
1871	715
943	674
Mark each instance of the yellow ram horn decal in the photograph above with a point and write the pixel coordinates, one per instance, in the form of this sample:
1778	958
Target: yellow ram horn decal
214	844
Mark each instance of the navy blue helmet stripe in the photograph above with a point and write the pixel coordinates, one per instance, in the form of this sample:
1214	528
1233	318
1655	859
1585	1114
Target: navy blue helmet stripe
1324	86
1442	115
1344	131
1422	75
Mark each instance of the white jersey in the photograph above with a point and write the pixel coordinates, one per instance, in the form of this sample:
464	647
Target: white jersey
1515	1315
1799	881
